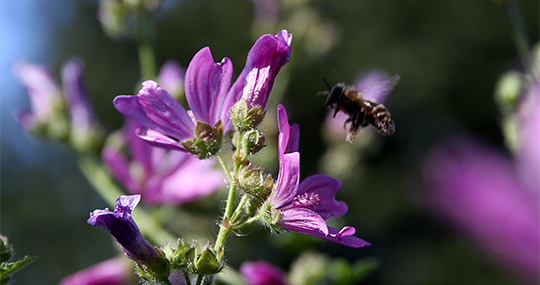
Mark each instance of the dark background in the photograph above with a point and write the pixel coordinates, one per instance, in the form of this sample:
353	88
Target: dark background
449	54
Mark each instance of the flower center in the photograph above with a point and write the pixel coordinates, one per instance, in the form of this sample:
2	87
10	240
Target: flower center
306	200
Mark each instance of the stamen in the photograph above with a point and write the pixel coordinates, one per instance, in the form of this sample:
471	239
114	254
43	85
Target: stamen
306	200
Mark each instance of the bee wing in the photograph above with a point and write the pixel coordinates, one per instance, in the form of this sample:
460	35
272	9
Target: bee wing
376	85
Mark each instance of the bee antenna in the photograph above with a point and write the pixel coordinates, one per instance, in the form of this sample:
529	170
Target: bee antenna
326	82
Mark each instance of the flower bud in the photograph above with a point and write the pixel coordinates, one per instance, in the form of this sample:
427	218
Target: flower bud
244	119
253	141
5	249
152	264
203	262
178	256
508	90
251	181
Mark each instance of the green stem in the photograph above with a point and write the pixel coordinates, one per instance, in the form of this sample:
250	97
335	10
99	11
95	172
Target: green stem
200	279
249	221
186	277
224	228
224	166
238	210
97	175
519	36
147	59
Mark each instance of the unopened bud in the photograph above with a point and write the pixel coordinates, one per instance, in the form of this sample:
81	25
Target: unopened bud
253	141
5	249
177	256
251	181
244	119
203	262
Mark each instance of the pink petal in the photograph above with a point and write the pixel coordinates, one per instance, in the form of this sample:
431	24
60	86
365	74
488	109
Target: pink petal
345	237
156	109
160	140
325	187
206	86
304	221
287	181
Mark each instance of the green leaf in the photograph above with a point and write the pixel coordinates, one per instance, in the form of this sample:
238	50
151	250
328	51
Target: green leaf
8	268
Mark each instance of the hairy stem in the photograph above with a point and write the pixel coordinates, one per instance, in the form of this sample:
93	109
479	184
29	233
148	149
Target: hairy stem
239	208
224	228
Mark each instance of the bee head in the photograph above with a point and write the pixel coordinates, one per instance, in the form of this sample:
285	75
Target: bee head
334	94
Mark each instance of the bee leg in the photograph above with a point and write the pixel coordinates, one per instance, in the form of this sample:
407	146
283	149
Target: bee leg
354	119
336	110
350	119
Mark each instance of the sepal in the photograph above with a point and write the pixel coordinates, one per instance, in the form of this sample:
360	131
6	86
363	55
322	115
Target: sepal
155	268
207	140
203	262
177	257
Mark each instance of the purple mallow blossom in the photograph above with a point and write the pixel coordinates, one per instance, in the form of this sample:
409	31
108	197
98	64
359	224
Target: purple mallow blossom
124	230
478	189
262	273
50	103
84	126
171	78
82	116
114	271
492	197
44	93
265	59
207	92
160	176
304	207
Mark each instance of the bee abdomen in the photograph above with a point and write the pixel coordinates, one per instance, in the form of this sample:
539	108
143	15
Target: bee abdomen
383	121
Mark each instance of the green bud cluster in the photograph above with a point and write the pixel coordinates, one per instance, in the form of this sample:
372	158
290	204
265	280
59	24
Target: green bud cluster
247	139
194	260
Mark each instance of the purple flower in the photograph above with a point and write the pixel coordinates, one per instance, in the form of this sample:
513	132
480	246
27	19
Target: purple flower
124	230
43	91
483	194
83	122
207	93
82	116
114	271
160	176
49	106
262	273
171	78
263	63
267	12
528	133
305	206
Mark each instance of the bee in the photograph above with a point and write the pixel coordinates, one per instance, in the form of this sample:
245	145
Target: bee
362	111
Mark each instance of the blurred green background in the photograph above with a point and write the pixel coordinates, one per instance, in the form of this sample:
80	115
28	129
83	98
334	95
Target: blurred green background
449	54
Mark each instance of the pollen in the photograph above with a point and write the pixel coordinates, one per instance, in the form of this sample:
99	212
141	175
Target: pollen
306	200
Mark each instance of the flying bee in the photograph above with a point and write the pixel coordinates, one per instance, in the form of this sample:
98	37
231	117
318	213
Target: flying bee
358	104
